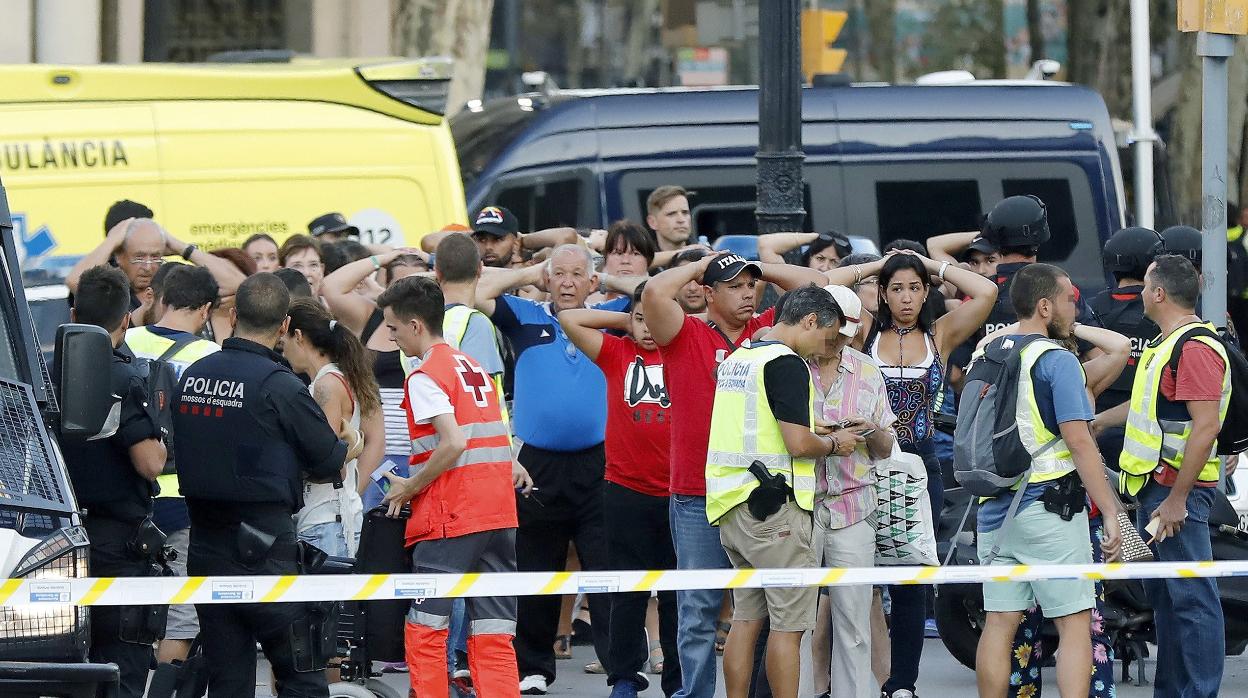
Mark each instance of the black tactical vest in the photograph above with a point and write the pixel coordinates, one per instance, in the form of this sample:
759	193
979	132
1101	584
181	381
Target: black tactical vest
1122	310
230	445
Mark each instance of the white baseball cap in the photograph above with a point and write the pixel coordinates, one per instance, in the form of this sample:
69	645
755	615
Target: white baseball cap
851	305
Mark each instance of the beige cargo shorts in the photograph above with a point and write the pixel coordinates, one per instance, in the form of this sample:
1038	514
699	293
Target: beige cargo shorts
783	540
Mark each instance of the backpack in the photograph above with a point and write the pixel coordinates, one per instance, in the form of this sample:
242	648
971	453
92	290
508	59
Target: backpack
1233	437
162	384
988	455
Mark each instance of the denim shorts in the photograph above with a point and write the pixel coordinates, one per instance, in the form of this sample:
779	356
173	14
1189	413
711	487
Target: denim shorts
1037	536
328	537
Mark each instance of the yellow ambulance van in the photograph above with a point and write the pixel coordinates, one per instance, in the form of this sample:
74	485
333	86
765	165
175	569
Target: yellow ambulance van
223	151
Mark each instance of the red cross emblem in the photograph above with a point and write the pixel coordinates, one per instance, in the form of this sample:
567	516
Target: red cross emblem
473	380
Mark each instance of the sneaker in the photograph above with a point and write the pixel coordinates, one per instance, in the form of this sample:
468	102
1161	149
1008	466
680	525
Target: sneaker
929	629
394	667
533	685
900	693
462	675
626	688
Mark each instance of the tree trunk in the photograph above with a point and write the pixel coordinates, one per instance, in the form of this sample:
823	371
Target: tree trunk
1099	50
1184	143
882	25
994	48
459	29
1035	30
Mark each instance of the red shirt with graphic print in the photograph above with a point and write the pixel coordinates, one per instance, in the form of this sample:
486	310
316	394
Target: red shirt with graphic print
639	423
694	356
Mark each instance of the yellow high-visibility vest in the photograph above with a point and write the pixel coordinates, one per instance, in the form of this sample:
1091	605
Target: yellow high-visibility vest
744	430
455	328
1056	461
146	344
1150	440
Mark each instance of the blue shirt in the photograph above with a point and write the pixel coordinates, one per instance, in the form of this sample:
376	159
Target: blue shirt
560	394
1062	396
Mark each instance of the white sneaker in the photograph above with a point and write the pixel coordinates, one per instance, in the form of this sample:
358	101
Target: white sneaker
461	674
533	685
903	693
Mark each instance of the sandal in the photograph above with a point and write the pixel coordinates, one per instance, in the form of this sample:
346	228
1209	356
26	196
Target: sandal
721	636
563	647
656	658
595	667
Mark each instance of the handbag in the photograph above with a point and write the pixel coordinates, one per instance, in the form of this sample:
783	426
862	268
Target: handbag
904	531
1134	549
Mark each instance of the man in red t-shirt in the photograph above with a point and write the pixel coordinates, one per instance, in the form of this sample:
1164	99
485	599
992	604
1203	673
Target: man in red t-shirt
694	348
634	498
1180	494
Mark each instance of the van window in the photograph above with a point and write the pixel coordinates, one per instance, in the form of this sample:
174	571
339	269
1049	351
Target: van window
917	210
1055	193
538	205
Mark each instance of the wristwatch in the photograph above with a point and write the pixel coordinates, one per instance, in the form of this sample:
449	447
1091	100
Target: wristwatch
190	250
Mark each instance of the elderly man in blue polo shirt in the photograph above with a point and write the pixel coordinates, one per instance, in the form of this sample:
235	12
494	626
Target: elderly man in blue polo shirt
560	416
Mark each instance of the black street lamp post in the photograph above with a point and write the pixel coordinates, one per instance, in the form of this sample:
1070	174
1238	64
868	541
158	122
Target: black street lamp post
780	201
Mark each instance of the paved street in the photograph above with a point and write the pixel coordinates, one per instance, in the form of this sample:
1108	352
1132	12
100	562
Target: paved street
941	677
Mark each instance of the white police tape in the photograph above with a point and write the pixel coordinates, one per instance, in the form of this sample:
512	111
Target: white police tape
127	591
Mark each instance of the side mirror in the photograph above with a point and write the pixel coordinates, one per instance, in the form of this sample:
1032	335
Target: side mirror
82	373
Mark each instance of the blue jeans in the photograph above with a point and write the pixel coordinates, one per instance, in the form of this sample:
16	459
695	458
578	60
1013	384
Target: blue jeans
909	612
697	547
1191	641
458	639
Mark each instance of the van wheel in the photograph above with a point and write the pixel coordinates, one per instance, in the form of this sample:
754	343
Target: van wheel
959	617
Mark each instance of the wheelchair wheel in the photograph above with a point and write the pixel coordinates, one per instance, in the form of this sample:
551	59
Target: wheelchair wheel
371	689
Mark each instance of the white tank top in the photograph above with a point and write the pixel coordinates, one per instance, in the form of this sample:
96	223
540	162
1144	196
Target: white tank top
324	503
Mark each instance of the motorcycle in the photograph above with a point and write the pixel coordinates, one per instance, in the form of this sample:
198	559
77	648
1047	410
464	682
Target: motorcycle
959	608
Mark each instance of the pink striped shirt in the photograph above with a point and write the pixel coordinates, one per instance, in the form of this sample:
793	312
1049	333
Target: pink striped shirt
846	484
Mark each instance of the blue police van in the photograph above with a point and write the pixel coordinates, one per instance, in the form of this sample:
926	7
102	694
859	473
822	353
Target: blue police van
882	161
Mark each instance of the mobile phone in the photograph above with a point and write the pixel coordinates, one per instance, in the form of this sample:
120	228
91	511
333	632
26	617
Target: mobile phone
1151	528
379	475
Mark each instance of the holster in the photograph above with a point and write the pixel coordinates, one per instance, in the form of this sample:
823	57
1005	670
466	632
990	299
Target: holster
148	541
1067	498
770	495
143	625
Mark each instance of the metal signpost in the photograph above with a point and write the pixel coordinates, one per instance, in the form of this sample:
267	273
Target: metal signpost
1218	21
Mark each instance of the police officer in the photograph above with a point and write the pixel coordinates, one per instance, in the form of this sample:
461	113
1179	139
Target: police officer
114	480
1018	226
247	433
1127	255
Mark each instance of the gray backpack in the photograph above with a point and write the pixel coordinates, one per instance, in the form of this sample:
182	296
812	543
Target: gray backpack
988	456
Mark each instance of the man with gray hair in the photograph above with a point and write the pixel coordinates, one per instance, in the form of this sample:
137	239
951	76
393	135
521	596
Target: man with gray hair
760	481
138	246
560	416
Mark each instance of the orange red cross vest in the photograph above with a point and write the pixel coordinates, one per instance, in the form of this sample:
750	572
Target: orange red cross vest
476	493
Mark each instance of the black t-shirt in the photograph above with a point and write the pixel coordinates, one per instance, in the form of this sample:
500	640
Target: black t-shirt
105	481
787	381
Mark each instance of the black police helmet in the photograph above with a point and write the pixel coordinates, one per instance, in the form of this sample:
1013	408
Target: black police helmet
1018	221
1129	251
1183	240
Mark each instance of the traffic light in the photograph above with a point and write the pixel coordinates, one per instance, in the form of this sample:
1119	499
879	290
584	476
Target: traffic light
819	31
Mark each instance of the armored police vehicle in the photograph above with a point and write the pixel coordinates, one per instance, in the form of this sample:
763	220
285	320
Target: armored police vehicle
882	161
43	639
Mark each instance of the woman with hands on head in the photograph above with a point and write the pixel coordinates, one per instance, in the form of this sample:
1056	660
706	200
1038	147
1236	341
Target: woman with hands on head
910	350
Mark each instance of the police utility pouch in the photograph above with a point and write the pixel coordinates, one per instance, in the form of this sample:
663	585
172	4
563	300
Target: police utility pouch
314	637
253	544
770	495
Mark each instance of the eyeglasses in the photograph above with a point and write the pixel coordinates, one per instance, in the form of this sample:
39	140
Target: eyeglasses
151	261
